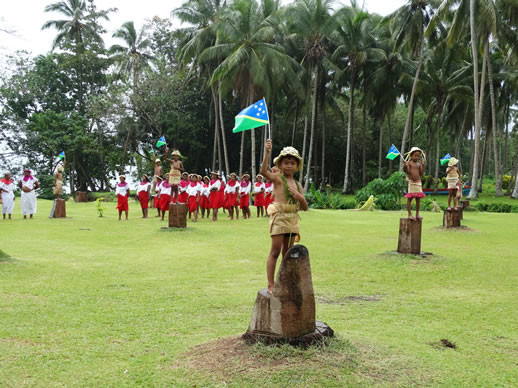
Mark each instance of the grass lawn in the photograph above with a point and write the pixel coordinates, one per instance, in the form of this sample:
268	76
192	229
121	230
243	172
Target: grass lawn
88	301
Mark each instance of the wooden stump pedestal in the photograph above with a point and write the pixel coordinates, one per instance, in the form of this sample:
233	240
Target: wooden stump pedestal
80	196
177	215
464	203
60	211
288	314
451	218
409	236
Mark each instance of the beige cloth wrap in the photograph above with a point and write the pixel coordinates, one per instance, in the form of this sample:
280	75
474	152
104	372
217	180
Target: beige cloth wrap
58	188
284	219
452	178
415	187
175	174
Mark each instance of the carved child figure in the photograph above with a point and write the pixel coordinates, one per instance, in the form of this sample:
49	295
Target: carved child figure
414	168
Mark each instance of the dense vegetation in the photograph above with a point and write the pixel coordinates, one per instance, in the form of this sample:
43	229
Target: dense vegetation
342	85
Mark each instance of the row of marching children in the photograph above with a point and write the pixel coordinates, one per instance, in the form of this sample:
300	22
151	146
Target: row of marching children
204	195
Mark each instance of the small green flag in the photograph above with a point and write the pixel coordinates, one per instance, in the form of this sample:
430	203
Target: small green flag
61	155
161	142
393	153
445	159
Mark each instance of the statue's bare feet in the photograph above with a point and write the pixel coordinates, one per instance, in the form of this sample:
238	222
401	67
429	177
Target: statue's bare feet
411	217
449	208
270	289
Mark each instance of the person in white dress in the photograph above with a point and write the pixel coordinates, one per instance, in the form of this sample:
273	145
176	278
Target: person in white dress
28	184
7	188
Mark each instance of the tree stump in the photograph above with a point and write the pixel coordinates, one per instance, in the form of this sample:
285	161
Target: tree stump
177	215
60	210
80	196
409	236
288	314
464	203
451	218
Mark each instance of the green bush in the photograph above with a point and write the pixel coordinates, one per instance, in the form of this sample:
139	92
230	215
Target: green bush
386	191
496	207
105	196
327	200
506	179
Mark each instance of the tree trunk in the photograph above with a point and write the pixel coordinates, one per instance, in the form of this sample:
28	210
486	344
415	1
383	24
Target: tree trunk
472	7
459	138
313	124
241	151
350	125
389	127
322	171
216	126
250	102
304	144
364	147
295	123
380	151
498	178
411	102
222	125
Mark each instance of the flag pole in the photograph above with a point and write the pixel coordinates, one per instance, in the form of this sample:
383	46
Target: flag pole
269	128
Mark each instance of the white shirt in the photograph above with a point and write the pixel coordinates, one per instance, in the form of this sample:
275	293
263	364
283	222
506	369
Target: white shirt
231	189
193	190
205	191
122	190
258	188
165	190
10	190
29	183
268	190
143	187
244	190
216	185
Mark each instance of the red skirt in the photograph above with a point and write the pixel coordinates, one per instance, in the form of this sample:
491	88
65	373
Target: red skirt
221	198
157	201
122	203
259	199
268	200
214	200
165	200
183	197
231	200
204	202
192	203
143	197
244	201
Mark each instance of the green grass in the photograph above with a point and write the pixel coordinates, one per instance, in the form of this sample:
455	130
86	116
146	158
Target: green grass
88	301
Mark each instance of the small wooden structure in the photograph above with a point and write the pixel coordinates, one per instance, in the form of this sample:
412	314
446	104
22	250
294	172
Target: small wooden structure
409	236
178	215
451	218
464	203
60	210
80	196
288	314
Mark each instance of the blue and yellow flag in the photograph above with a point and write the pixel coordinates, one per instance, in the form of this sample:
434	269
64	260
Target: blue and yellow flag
256	115
161	142
61	155
445	159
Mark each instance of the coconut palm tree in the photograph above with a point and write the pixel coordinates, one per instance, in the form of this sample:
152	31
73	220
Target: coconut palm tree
408	24
76	28
250	55
311	25
205	16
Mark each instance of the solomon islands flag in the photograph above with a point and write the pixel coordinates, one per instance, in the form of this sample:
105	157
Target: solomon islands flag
256	115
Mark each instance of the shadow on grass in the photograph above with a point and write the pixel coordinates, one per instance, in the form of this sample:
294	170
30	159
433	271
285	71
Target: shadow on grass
5	258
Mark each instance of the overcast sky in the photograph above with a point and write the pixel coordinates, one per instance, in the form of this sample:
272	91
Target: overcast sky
26	18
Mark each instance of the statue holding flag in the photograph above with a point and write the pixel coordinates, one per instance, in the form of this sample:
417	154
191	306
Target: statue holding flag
58	179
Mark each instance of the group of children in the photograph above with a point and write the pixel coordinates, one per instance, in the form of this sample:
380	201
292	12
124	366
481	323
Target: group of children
28	185
200	195
414	164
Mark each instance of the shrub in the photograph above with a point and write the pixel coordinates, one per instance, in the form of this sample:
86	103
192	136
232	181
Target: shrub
327	200
386	191
506	180
495	207
105	196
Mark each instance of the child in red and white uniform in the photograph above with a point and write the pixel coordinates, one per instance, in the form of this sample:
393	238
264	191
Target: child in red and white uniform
268	197
157	195
204	199
165	195
214	186
259	195
122	192
244	195
193	190
143	191
232	193
182	189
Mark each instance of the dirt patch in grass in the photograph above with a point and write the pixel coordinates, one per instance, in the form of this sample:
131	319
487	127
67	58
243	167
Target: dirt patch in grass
444	344
340	363
461	229
349	299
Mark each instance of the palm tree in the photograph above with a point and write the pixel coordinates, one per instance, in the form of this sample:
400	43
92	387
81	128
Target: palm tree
132	57
205	16
408	24
250	55
76	28
356	46
311	24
